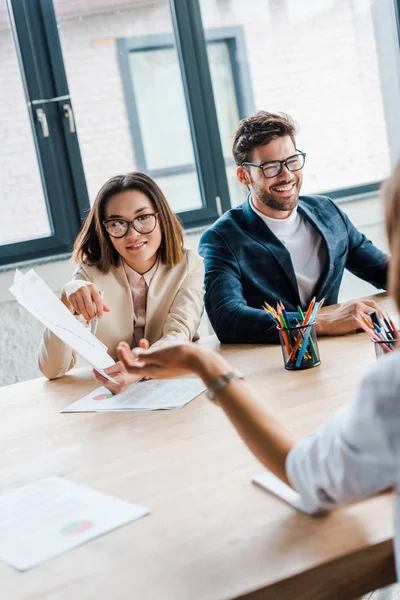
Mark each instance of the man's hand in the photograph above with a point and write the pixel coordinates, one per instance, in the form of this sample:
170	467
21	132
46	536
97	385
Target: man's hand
343	320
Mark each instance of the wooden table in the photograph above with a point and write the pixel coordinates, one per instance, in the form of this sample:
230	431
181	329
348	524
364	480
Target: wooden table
211	535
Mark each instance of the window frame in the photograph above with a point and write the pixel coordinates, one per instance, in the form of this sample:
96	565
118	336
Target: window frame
58	155
233	37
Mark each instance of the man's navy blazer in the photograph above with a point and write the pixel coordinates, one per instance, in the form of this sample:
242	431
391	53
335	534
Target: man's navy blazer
246	265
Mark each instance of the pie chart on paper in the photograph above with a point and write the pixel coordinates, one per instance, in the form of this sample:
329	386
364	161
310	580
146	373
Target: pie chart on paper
103	396
76	527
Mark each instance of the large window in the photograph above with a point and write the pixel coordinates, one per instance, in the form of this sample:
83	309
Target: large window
91	89
321	63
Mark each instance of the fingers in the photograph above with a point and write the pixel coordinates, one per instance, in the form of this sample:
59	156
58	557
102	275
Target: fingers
115	369
100	378
82	302
88	302
145	344
109	385
374	306
66	302
125	354
98	301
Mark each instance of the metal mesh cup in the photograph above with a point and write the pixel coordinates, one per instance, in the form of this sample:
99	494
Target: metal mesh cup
299	347
381	346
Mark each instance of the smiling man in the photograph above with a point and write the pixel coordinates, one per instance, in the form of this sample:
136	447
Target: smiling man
279	245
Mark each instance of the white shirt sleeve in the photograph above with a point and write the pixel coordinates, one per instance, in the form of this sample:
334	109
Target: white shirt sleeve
353	454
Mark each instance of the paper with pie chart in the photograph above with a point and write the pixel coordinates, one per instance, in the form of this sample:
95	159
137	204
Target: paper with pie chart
142	395
33	294
51	516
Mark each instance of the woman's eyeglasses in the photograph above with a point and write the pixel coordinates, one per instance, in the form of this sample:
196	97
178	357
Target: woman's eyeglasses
118	228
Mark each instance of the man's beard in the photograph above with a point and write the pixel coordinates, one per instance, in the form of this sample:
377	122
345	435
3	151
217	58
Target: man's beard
275	203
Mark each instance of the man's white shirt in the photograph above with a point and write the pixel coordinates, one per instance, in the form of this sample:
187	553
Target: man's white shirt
305	246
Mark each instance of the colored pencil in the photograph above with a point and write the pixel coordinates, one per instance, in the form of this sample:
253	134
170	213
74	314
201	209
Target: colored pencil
371	332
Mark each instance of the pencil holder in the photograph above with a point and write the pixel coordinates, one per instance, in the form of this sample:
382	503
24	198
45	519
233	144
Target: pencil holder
382	347
299	347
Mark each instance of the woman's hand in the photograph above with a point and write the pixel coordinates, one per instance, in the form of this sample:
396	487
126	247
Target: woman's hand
172	361
85	301
120	373
121	376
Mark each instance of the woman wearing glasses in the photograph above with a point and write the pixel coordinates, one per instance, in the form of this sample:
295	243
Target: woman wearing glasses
134	278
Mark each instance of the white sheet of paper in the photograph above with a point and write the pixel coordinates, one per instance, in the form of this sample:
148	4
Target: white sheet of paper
268	481
49	517
142	395
34	295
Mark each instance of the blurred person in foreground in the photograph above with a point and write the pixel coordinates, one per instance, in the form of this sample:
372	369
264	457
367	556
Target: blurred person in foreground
353	455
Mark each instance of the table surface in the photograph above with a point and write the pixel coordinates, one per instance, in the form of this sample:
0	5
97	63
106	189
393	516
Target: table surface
211	534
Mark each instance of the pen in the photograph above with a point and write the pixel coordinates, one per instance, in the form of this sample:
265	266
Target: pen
311	320
95	320
370	330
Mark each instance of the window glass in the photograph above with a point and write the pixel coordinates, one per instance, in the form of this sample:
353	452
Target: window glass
317	61
23	206
89	38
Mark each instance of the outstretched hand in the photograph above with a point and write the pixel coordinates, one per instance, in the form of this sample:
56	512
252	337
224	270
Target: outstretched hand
163	363
120	374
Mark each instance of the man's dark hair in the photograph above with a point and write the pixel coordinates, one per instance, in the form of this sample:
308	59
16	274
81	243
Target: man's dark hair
259	130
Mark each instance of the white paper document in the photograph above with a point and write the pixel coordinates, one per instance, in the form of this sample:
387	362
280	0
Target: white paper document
34	295
268	481
142	395
47	518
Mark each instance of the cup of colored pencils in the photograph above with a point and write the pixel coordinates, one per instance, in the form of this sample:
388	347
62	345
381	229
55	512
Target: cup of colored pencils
297	335
382	331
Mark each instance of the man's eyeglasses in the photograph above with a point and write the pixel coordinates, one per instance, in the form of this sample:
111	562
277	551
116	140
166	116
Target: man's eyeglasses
118	228
272	168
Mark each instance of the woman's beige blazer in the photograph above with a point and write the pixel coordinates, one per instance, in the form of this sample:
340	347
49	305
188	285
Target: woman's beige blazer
173	313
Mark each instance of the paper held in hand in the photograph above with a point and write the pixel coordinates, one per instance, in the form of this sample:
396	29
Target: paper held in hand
33	294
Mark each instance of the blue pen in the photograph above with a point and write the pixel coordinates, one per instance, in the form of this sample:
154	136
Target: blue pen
307	335
313	351
296	323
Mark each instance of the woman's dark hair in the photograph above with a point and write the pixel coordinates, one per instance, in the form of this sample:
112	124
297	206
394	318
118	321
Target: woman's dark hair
93	245
259	130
